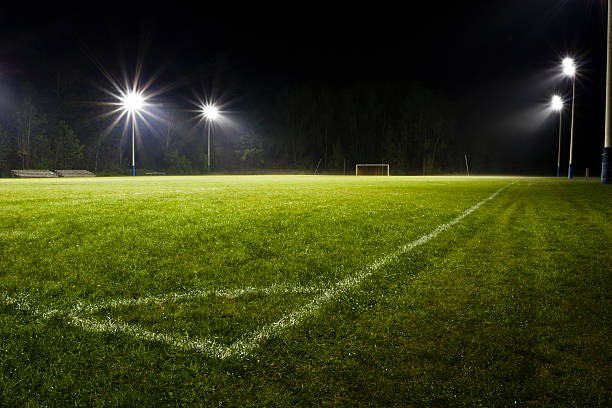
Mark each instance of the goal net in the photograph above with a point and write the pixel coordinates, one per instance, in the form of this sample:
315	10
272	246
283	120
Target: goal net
371	169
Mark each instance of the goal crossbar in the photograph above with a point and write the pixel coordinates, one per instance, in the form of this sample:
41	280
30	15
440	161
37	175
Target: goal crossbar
381	169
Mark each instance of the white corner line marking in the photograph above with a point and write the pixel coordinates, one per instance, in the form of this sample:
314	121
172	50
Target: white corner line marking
78	315
248	344
194	294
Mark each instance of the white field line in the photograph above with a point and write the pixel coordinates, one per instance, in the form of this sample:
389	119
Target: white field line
194	294
249	343
208	346
78	315
21	302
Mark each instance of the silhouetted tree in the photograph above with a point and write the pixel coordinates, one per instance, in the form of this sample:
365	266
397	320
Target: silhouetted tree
5	151
67	147
31	136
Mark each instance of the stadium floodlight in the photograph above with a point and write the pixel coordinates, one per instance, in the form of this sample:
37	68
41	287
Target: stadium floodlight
557	105
132	103
569	69
211	113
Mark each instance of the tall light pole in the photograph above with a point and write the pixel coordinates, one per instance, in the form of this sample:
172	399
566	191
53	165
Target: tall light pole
569	69
557	106
605	166
210	113
132	102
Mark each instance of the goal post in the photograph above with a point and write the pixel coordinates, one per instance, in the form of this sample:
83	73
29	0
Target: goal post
372	169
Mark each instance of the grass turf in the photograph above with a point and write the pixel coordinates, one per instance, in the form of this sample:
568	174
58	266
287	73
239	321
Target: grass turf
510	305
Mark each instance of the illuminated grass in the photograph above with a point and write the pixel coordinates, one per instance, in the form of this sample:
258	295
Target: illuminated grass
509	305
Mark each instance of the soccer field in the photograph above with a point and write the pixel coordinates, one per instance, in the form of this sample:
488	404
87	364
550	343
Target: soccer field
307	291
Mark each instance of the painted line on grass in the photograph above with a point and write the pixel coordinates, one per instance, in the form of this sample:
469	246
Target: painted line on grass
195	294
78	315
248	344
21	302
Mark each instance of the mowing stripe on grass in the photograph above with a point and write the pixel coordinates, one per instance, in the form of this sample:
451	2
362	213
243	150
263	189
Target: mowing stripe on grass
77	315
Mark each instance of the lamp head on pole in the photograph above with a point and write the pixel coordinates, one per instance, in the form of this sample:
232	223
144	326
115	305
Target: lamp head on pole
132	101
210	112
556	103
569	67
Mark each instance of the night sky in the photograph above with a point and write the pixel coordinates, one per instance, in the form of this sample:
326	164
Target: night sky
497	61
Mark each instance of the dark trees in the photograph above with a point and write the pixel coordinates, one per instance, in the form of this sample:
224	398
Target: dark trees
292	127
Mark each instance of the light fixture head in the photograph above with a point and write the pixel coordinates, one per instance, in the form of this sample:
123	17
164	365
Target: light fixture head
556	103
569	66
210	112
132	101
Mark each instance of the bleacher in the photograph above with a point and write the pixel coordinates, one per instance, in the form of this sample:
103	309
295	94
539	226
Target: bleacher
33	173
49	173
74	173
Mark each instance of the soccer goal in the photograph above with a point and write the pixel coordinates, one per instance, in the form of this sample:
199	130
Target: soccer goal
371	169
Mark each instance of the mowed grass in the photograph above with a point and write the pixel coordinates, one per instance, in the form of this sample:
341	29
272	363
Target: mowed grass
510	306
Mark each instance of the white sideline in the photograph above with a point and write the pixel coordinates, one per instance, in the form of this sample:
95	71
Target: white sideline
77	316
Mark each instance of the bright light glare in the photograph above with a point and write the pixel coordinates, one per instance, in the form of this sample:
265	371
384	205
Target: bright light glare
569	67
557	103
210	112
132	101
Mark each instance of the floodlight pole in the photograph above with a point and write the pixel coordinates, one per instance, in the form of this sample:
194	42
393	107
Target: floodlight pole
559	148
208	122
133	155
571	155
605	166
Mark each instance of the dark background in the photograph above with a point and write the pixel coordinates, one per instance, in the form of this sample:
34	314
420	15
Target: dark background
492	66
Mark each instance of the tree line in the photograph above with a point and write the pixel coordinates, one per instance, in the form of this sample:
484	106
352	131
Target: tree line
295	126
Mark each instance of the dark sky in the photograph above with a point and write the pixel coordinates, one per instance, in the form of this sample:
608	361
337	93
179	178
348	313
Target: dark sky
495	60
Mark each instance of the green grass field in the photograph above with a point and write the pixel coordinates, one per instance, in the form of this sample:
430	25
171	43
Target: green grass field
305	291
